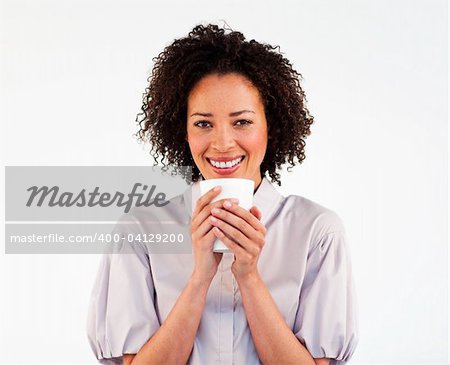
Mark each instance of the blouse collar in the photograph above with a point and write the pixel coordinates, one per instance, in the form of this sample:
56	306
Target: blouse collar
266	198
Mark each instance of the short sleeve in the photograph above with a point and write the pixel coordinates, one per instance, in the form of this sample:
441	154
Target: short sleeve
122	315
327	317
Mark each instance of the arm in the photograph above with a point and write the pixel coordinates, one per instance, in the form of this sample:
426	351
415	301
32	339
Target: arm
173	342
274	340
322	361
242	232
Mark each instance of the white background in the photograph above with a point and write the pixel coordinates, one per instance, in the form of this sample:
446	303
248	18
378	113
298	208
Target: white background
375	75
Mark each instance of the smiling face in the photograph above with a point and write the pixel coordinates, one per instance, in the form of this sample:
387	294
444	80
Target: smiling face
227	127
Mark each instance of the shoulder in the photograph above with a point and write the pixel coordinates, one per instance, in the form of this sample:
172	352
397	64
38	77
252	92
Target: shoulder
312	217
322	217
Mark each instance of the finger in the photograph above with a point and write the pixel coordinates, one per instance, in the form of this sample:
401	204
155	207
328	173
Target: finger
201	203
233	246
246	215
209	237
206	198
256	212
206	212
203	228
235	221
236	236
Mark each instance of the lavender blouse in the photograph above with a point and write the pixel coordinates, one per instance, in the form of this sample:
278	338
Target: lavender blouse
305	264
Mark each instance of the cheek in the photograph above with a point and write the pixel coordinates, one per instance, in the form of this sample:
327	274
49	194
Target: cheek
196	144
257	143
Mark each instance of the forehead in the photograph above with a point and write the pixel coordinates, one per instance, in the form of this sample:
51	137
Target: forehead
226	91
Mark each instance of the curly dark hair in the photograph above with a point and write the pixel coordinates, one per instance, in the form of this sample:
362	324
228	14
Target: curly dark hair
211	50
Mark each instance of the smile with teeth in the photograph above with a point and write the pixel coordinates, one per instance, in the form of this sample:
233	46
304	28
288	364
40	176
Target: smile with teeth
225	165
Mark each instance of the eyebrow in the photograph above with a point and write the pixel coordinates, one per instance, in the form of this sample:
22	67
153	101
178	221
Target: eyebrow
233	114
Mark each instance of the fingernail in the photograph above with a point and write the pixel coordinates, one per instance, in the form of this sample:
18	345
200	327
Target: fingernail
217	188
227	204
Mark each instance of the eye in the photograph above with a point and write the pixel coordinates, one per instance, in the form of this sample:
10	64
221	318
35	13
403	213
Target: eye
243	122
202	124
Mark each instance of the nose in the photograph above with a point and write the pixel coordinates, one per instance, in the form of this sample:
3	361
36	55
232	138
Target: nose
223	139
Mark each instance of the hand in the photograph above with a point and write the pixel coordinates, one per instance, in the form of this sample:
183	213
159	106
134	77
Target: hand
243	233
206	261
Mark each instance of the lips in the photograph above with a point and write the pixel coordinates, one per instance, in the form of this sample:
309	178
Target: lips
222	162
225	170
224	159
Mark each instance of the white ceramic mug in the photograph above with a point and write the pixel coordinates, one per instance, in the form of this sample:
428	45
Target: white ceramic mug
241	189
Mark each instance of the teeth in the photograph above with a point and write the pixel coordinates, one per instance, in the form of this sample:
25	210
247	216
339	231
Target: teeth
227	164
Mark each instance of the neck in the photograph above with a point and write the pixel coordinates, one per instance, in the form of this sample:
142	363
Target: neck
257	186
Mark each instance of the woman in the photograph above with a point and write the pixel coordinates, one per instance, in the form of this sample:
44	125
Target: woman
285	295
